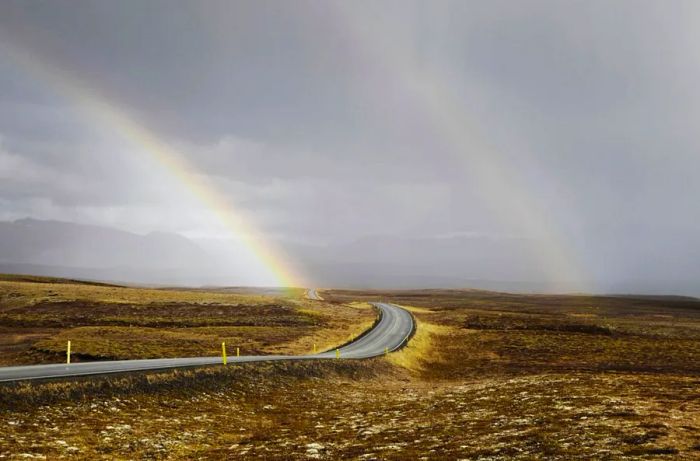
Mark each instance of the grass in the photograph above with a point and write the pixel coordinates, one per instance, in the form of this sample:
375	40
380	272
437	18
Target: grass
421	351
486	376
17	294
21	397
118	342
345	410
475	300
39	315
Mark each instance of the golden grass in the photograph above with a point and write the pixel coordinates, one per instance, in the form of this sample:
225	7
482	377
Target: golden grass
37	318
46	279
21	396
365	324
310	312
421	350
344	322
15	294
146	343
484	377
349	409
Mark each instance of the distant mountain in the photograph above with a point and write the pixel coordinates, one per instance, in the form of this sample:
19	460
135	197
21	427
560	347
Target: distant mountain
475	261
61	249
75	250
383	261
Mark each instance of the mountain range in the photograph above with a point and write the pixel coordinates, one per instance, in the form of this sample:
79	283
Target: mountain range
63	249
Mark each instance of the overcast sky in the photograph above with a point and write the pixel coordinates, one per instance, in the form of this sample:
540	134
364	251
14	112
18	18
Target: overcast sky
574	122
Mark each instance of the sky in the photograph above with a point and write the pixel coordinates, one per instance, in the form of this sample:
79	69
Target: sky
569	125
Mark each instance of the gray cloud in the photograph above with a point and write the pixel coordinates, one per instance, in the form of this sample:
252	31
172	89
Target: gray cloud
292	112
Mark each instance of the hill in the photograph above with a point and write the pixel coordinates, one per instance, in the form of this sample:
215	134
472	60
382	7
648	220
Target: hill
62	249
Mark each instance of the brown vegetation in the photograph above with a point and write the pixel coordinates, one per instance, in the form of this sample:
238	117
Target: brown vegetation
487	376
38	317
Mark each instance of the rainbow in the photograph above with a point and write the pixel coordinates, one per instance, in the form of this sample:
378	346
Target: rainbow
499	183
270	262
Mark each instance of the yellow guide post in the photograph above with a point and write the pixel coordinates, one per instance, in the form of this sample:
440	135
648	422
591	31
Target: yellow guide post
68	353
238	352
386	350
337	353
314	348
223	352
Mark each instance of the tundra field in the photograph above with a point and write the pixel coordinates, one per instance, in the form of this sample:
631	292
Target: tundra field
486	376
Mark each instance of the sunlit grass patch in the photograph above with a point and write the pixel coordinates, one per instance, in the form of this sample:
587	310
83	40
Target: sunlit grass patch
310	312
421	350
39	316
342	323
148	343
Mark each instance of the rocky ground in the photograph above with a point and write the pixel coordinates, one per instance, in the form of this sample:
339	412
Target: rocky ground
283	415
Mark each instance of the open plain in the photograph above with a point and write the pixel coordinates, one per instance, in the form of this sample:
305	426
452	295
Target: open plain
486	376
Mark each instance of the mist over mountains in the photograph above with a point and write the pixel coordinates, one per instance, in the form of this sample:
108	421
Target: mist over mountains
57	243
65	249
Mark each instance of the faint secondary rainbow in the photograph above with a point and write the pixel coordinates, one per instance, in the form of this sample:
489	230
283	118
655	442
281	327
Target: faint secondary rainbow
431	95
119	120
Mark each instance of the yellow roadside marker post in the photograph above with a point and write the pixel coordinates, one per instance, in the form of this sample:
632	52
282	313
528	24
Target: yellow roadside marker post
314	348
223	352
238	352
337	353
386	350
68	353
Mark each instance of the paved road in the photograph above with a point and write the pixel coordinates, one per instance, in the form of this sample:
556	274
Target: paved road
390	333
312	293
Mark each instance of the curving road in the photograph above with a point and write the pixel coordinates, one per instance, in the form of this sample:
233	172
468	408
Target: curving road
390	333
312	293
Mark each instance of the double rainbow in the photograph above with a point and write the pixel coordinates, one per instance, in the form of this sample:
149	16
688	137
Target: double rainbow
449	121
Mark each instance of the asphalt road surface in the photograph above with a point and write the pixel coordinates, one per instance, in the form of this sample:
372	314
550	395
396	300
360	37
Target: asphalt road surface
312	293
390	333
